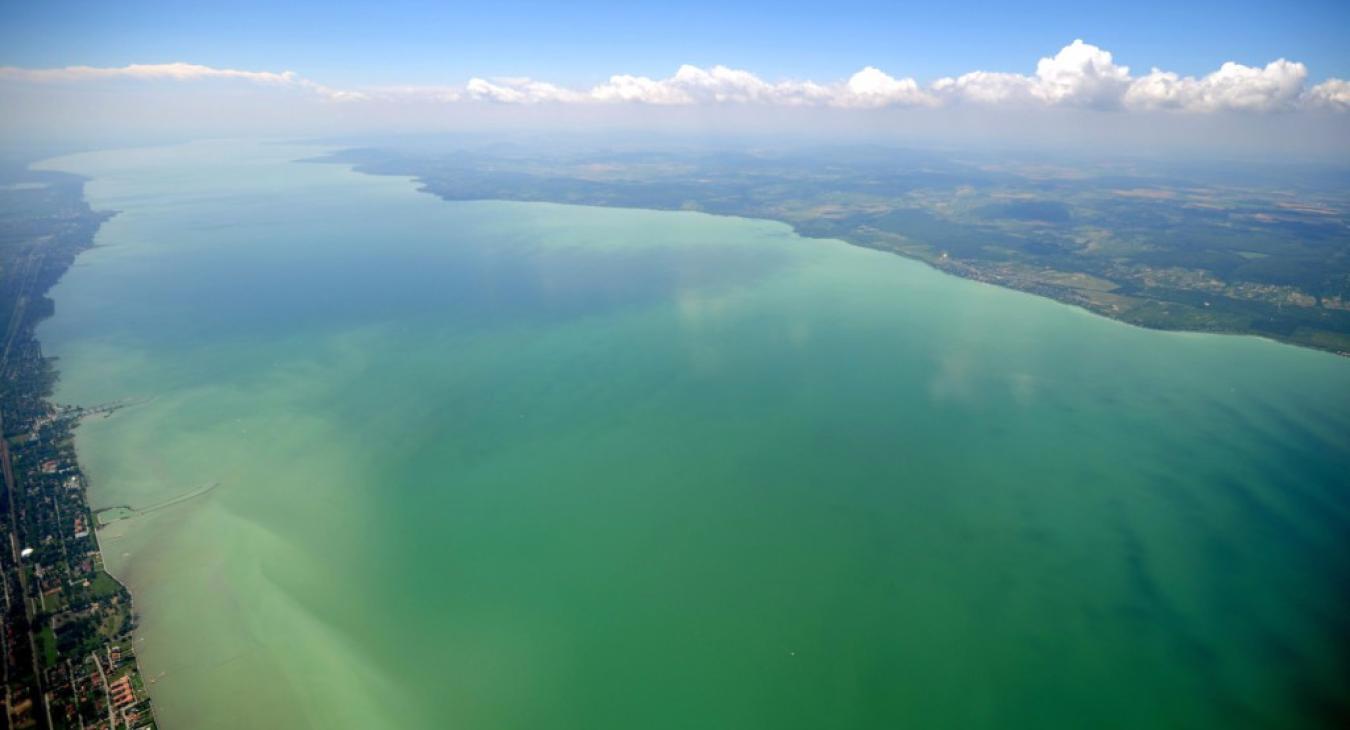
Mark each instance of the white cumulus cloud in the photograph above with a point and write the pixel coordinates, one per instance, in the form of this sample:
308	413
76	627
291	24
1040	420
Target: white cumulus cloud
1332	93
519	91
872	87
1232	87
716	85
1078	75
178	71
626	88
1081	74
986	87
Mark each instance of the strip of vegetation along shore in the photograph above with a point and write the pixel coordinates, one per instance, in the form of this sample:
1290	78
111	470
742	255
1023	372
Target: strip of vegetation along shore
69	658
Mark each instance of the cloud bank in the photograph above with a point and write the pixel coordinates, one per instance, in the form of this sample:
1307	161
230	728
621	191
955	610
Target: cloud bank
173	72
1080	75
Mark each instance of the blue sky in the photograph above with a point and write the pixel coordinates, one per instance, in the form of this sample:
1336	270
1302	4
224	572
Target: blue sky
585	41
955	72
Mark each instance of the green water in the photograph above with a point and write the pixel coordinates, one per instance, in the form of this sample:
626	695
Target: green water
496	465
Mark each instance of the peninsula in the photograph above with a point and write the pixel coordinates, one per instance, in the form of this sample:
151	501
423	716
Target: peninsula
1241	248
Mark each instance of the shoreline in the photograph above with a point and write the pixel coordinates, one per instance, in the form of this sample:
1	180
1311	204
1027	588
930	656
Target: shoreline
934	264
1134	309
81	622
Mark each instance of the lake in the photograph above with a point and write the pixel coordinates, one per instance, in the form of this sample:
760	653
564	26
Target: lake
400	462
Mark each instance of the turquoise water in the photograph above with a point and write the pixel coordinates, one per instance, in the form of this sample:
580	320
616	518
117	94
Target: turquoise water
500	465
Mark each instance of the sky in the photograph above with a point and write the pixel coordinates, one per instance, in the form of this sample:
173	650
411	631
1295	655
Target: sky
72	67
585	41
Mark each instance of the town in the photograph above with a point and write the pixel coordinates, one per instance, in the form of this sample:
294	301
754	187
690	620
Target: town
67	639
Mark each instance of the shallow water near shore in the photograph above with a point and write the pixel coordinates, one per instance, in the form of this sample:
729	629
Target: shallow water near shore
509	465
